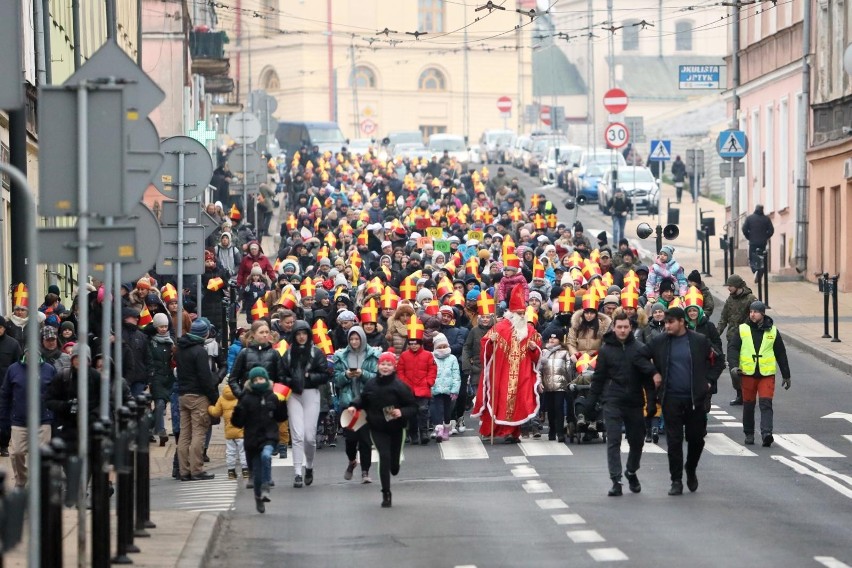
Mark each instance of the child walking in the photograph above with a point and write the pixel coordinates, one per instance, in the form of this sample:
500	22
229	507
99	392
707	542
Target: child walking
557	372
389	404
446	387
234	447
258	412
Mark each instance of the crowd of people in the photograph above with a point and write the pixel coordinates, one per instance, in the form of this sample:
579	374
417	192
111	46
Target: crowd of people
404	297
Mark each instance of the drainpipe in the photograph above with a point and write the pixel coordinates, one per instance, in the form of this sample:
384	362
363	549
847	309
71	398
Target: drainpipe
802	188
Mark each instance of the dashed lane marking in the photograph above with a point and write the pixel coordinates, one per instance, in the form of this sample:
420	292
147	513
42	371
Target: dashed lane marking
468	448
536	486
825	470
646	449
803	470
524	471
568	519
514	460
721	445
607	554
548	504
583	537
286	462
831	562
536	448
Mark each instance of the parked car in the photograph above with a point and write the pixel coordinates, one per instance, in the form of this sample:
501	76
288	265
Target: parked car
637	183
412	150
521	142
294	134
538	152
361	145
453	144
496	146
592	166
559	159
401	137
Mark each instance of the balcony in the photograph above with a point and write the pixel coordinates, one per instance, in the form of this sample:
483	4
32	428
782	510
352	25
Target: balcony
208	56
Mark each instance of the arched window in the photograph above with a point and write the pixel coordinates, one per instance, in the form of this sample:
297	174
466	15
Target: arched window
432	80
269	80
364	78
630	35
683	35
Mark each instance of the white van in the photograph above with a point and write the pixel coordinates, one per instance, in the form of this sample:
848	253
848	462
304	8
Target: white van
453	144
496	146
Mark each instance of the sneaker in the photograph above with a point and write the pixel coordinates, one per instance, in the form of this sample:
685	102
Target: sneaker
347	475
655	434
738	401
615	490
691	481
633	481
767	440
453	428
309	476
264	493
435	432
749	439
445	433
648	437
297	482
460	427
4	452
386	499
203	476
275	451
365	477
581	420
232	474
677	488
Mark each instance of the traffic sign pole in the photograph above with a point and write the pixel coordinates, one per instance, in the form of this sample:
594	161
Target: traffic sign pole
180	206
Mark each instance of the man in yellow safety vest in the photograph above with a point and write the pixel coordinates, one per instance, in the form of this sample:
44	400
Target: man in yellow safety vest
755	354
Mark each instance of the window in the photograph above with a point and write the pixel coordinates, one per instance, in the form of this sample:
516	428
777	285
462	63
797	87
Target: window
430	130
630	35
683	35
430	16
269	80
364	78
432	80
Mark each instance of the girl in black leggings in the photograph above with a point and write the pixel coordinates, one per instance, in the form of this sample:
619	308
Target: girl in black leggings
389	404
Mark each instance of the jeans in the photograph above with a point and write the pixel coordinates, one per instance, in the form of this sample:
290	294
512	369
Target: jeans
553	403
755	256
174	405
419	423
616	416
682	416
137	388
618	223
261	469
441	409
160	417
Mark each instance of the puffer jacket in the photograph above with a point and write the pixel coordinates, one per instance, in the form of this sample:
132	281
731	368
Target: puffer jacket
259	414
504	288
233	351
660	271
448	376
735	312
418	371
254	355
161	375
350	389
471	359
652	330
397	333
556	368
582	341
224	408
313	375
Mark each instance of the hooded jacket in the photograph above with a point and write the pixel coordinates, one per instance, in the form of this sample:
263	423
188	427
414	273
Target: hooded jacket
161	378
418	371
659	271
586	339
735	345
258	414
254	355
706	366
193	368
758	228
249	260
447	374
556	367
366	359
707	329
397	334
735	311
224	408
623	373
310	372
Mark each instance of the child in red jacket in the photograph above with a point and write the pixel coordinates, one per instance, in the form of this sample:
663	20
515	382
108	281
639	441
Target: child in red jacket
417	369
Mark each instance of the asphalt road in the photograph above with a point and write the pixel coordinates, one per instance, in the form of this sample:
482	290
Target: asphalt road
544	504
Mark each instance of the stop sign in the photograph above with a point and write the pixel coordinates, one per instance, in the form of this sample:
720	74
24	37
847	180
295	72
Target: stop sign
544	115
504	104
615	101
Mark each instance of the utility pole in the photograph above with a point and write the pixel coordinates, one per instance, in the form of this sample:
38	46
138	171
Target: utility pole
353	84
590	102
735	117
611	44
802	188
466	85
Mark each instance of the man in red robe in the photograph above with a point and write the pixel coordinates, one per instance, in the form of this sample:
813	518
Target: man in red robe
508	388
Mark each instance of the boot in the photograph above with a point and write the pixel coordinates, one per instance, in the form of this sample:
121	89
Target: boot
437	433
347	475
232	474
386	499
445	432
615	490
245	473
259	505
633	481
282	451
738	400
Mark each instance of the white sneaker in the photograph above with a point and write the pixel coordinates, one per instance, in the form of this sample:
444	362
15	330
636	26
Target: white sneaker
460	426
453	429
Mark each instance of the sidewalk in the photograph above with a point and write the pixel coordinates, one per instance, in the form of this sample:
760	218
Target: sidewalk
796	307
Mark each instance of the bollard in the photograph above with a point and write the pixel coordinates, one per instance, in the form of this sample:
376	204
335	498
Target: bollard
132	432
52	456
705	250
100	464
765	273
723	243
834	279
124	499
142	462
13	505
825	288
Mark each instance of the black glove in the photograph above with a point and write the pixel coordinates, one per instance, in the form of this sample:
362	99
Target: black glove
786	383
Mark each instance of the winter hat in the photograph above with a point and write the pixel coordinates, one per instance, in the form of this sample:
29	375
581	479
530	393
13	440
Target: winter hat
667	286
613	290
555	332
668	250
320	294
325	262
49	332
694	276
2	321
612	299
152	299
78	350
736	281
208	256
53	289
535	295
439	339
256	271
657	308
340	280
200	328
473	295
346	315
388	357
160	319
757	306
67	325
424	295
259	387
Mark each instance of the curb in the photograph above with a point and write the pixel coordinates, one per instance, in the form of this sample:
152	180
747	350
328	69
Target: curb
199	546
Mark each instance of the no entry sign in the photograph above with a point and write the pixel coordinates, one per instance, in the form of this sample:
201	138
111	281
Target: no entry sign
615	101
504	104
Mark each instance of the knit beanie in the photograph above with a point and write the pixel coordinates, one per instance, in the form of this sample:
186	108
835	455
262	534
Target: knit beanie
160	319
67	325
424	295
668	250
259	387
535	295
388	357
694	276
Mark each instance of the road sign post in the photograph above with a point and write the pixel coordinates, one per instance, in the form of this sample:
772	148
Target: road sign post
504	105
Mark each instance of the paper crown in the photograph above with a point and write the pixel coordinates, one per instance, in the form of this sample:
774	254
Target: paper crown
630	297
590	301
537	269
215	284
408	288
21	296
587	362
431	308
693	297
606	279
168	293
145	318
370	312
307	288
631	279
352	418
566	301
485	304
321	339
259	310
531	316
591	269
288	298
471	267
415	328
512	261
445	286
389	300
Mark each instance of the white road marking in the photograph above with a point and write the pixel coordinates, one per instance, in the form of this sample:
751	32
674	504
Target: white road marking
580	537
726	417
537	486
646	449
568	519
825	470
831	562
286	462
524	471
848	437
721	445
715	412
467	448
535	448
805	445
799	468
727	424
374	457
551	504
607	554
514	460
714	407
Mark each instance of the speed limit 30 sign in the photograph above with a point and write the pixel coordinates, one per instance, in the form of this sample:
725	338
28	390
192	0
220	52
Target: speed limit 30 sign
616	135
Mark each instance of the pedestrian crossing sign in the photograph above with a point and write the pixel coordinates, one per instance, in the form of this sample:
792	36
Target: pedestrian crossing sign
732	144
661	151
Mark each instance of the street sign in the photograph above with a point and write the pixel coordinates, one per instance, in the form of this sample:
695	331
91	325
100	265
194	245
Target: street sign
615	101
369	126
661	151
732	144
738	169
106	244
147	244
616	135
255	165
193	250
202	133
191	213
699	76
531	113
636	127
11	90
208	222
197	170
694	161
261	101
143	160
504	104
244	128
544	115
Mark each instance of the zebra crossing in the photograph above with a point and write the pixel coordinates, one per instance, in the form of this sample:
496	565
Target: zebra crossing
214	495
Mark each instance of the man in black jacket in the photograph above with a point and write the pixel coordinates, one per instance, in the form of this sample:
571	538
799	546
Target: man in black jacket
137	341
689	370
757	229
10	352
624	378
196	391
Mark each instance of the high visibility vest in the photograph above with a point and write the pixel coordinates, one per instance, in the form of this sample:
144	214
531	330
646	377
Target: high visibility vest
764	360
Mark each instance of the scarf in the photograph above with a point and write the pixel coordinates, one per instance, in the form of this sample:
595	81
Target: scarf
442	353
163	339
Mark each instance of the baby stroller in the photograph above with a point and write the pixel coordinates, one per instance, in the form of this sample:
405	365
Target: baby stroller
587	424
328	423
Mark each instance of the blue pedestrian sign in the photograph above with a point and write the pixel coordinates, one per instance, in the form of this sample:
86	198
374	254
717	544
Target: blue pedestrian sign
661	151
732	144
